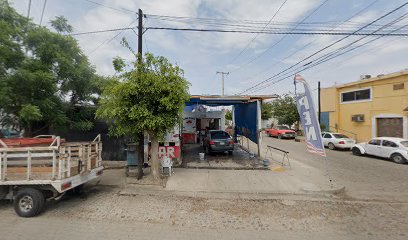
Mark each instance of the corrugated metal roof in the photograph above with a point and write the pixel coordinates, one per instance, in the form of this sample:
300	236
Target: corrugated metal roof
218	100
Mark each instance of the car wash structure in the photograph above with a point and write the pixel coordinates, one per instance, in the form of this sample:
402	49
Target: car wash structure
246	116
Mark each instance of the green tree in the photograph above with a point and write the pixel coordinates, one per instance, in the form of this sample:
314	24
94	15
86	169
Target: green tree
266	111
284	109
149	98
60	23
41	69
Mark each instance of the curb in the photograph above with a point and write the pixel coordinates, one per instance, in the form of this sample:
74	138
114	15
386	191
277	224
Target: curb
144	190
225	168
317	190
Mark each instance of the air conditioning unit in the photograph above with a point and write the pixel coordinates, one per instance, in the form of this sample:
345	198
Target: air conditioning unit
357	118
365	77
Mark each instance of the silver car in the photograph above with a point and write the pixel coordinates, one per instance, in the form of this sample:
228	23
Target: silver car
337	140
218	141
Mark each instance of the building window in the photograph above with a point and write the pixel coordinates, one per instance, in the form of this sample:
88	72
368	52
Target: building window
359	95
398	86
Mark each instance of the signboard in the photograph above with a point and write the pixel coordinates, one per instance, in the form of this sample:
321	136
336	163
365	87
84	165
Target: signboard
169	151
189	125
308	118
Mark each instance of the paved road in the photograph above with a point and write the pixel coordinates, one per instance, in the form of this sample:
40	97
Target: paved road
103	214
366	177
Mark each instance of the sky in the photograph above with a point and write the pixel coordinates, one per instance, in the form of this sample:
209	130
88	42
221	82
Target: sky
249	58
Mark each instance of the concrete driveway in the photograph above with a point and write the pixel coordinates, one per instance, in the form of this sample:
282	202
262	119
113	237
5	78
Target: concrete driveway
240	159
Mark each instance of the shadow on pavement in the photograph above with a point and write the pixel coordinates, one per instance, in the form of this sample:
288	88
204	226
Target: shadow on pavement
240	159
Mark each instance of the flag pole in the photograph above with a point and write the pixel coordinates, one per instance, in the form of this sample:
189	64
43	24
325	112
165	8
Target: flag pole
326	165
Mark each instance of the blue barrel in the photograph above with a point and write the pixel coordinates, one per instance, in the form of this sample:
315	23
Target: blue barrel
132	155
266	162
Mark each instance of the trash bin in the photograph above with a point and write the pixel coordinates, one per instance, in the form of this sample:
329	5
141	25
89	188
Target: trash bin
132	154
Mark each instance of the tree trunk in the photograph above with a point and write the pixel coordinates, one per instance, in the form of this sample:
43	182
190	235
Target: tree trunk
140	153
155	163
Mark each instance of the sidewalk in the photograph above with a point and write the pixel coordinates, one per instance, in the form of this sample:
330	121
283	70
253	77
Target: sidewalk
300	179
245	181
292	178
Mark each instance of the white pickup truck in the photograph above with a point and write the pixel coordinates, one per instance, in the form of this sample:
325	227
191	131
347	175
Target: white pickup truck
33	170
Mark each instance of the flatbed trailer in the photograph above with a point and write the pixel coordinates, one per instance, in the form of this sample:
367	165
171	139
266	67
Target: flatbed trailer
30	175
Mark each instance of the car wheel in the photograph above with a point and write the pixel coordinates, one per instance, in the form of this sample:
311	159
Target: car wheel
398	158
230	152
331	146
356	151
269	135
279	136
29	202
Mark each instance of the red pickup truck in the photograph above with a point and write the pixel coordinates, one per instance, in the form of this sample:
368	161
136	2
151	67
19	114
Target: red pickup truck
281	131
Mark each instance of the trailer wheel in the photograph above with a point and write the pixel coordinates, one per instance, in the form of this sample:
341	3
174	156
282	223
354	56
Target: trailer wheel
29	202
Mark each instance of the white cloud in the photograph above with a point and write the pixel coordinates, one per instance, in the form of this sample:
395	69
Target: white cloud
202	54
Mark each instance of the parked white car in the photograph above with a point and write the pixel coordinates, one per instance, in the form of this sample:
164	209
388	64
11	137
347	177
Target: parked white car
337	140
392	148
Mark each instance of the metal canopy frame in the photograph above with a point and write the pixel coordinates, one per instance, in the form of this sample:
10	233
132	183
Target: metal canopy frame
217	100
237	102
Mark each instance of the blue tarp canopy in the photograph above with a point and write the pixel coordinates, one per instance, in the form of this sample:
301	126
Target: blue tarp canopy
245	111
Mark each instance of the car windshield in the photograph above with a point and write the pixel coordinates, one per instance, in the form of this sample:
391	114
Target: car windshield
404	143
337	135
282	128
219	135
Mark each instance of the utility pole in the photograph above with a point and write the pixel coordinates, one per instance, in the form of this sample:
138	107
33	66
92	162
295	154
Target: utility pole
140	59
139	36
222	80
29	10
318	100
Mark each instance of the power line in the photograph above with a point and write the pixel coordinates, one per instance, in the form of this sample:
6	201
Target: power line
375	48
337	54
307	26
29	9
109	40
101	31
326	47
124	10
308	44
322	32
253	39
42	12
329	56
246	21
281	39
310	65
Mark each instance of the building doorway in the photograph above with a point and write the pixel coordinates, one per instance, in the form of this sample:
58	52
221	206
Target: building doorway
390	127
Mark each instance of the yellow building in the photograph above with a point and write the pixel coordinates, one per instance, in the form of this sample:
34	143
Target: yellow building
371	107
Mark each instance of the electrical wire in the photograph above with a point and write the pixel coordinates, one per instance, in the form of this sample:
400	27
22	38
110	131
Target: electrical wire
123	10
42	12
311	42
111	39
253	39
328	46
101	31
273	32
253	25
281	39
321	61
